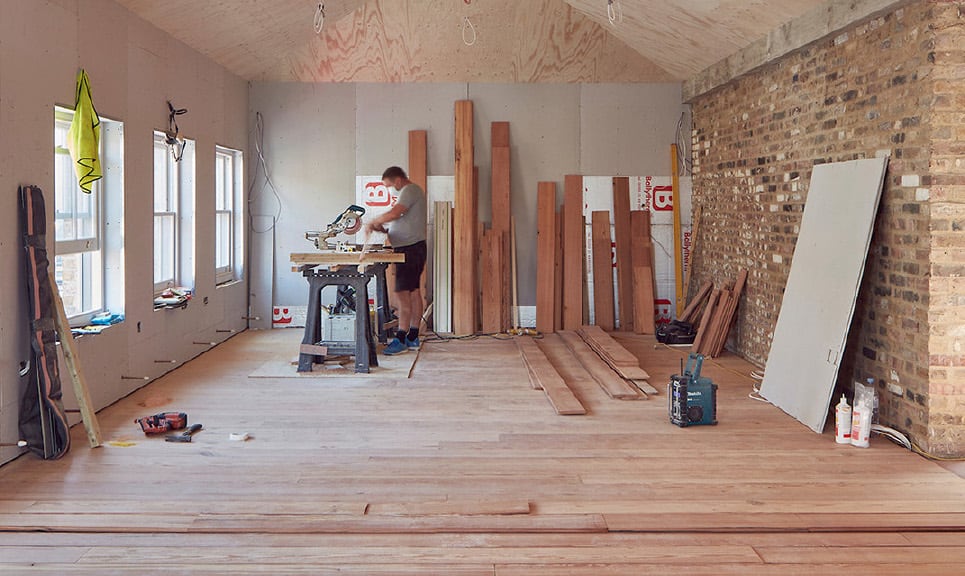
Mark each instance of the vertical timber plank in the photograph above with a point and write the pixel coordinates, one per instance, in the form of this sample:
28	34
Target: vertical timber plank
573	234
621	224
417	157
642	262
502	209
464	226
546	252
558	273
602	269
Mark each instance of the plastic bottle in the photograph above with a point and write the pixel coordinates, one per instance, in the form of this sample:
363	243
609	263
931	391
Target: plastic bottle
861	424
842	422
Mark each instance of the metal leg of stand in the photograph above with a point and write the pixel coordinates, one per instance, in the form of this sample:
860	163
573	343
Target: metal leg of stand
313	328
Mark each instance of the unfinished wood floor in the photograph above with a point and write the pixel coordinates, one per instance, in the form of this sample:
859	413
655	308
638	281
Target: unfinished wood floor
464	470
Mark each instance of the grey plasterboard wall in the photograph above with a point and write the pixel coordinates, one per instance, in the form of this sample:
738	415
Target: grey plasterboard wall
319	137
134	68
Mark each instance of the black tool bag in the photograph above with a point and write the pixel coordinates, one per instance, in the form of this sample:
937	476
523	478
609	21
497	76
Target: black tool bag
43	423
676	332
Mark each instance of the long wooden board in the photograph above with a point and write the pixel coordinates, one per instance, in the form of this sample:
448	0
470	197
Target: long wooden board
465	246
72	360
442	269
611	383
557	392
624	262
642	272
573	234
546	257
493	248
602	269
344	258
558	273
501	195
418	168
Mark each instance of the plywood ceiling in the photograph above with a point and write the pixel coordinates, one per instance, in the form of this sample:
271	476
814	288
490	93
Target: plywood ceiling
422	40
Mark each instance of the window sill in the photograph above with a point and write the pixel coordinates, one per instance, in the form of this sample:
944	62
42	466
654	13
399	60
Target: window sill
91	330
227	283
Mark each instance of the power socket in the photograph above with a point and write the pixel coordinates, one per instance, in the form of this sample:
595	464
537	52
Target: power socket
895	389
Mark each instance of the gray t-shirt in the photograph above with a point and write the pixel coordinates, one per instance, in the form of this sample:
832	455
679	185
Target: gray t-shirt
411	226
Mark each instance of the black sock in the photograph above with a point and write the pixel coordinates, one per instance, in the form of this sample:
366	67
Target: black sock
413	334
400	335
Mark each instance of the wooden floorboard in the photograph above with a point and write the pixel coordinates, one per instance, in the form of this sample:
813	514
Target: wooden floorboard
463	470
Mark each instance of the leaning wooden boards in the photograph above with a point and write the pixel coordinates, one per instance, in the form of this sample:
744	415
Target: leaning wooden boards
546	257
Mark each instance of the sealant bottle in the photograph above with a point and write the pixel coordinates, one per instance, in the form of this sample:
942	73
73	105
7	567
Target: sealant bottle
842	422
861	424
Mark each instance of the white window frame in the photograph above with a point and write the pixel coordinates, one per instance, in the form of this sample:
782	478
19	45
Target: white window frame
229	166
90	247
172	210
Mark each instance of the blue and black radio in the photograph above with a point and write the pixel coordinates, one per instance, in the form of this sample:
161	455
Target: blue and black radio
693	399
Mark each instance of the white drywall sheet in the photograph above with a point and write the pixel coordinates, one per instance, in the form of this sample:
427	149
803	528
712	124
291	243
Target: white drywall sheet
822	287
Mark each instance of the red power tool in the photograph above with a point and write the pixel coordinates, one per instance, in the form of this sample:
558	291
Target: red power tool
163	422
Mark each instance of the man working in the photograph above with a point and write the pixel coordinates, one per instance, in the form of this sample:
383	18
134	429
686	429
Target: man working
405	225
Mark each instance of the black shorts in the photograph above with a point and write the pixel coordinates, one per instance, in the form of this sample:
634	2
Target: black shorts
408	274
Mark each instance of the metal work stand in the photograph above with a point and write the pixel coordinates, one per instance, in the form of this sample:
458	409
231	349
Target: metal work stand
364	346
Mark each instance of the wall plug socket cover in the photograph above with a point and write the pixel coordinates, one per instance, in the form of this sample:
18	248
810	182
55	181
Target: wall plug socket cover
895	389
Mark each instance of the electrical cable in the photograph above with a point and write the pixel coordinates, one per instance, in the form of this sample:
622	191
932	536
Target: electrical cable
468	25
319	21
614	12
263	163
685	165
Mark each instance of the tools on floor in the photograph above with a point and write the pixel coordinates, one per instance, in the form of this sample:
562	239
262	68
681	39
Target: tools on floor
183	436
162	422
692	399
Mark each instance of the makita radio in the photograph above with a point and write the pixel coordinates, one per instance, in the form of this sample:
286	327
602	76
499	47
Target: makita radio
693	400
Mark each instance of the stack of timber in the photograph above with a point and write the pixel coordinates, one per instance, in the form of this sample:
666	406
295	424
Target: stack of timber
617	357
718	316
611	382
543	376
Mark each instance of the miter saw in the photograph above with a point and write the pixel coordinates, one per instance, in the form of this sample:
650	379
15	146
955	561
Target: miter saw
348	222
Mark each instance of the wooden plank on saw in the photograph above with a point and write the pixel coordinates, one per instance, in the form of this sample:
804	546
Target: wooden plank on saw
573	234
557	392
730	313
642	270
465	289
621	233
602	269
600	371
704	326
546	257
693	307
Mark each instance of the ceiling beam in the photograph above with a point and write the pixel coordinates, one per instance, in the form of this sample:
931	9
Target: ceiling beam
797	33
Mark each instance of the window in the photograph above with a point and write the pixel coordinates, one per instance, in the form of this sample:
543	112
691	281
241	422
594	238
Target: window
87	227
227	190
173	214
166	202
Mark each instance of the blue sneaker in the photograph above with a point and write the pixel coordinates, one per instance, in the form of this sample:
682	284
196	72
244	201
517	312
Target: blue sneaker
395	347
413	344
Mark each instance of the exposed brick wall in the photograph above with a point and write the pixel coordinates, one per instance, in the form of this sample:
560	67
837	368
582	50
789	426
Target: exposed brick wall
946	191
879	87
